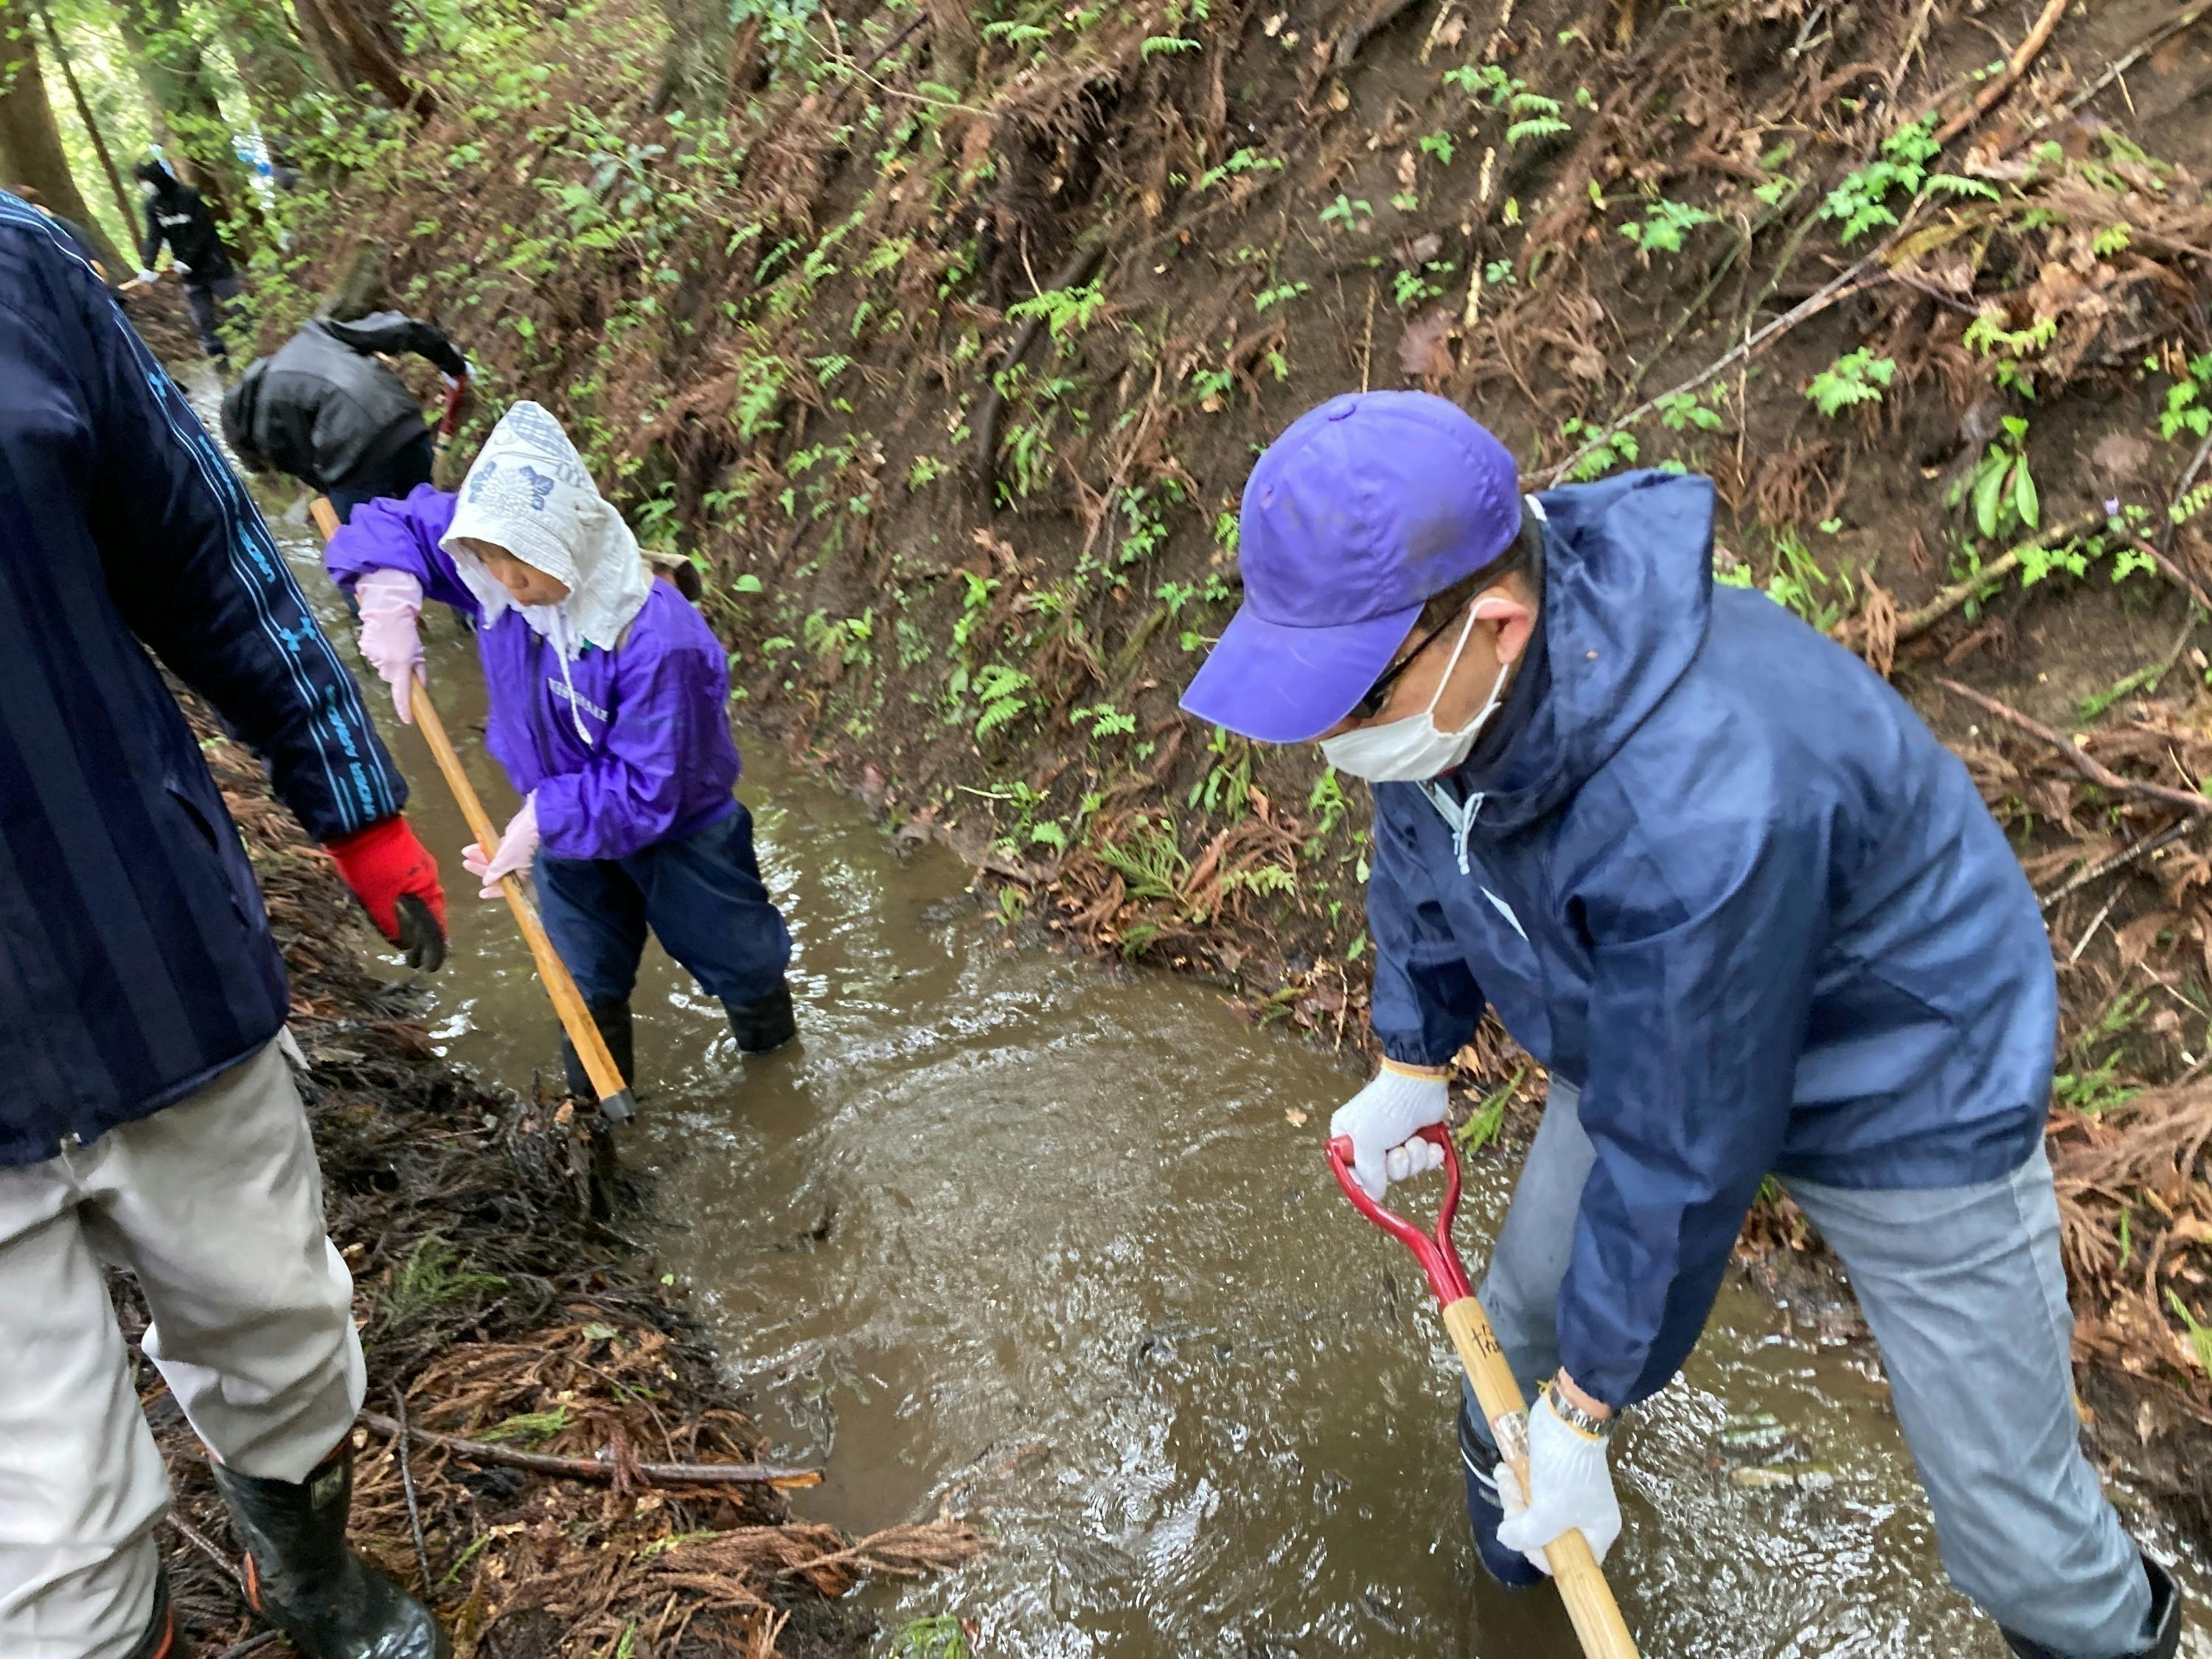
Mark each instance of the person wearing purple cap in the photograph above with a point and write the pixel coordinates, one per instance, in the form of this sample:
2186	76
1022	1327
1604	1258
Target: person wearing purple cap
1752	918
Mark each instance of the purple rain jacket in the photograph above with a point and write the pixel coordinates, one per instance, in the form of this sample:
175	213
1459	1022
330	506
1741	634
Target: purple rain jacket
660	764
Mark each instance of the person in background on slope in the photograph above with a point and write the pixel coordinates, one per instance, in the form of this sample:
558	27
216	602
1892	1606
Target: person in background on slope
1749	914
607	696
327	410
148	1115
176	215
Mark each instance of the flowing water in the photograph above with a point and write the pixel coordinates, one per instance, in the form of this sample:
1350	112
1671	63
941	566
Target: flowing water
1056	1246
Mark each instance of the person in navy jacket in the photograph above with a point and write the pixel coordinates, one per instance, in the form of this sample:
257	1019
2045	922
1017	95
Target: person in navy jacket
148	1115
1751	916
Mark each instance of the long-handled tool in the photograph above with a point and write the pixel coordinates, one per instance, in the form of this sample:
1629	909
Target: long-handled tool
615	1102
1590	1607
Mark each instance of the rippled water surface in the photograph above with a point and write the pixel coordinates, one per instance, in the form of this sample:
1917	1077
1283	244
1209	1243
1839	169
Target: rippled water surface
1011	1233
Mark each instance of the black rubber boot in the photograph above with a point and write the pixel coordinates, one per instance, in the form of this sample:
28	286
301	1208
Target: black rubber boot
765	1025
302	1578
2165	1622
160	1640
613	1022
1478	1460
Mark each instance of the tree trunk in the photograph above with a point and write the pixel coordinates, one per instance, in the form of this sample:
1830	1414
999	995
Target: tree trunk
173	71
30	143
269	60
953	44
124	205
329	52
364	27
694	73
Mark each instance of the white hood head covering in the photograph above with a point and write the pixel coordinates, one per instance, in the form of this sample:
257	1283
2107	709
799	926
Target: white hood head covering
529	493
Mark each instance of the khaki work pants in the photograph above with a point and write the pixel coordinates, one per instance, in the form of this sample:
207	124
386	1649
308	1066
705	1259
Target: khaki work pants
217	1205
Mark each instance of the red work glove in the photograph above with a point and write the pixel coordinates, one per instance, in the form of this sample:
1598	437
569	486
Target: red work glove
395	879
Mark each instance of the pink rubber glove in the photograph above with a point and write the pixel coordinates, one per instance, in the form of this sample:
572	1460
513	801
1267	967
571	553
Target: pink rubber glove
518	844
390	601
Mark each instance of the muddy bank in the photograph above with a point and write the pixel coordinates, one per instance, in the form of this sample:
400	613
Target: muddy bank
492	1308
946	354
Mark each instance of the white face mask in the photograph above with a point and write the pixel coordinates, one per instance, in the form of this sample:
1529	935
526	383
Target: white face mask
1414	749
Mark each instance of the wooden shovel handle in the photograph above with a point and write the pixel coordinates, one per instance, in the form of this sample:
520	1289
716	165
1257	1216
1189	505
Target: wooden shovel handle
560	984
1590	1607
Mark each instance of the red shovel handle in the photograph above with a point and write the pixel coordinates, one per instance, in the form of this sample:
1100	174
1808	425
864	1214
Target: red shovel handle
1434	1251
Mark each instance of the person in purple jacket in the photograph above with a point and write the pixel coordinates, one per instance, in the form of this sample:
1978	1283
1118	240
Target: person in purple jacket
607	692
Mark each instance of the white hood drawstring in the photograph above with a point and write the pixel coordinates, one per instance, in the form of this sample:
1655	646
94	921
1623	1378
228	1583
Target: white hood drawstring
529	493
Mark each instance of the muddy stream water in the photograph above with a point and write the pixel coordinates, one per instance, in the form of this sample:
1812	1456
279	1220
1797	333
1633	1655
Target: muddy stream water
1010	1232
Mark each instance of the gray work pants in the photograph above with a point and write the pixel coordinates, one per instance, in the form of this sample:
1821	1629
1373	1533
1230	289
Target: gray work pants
1963	1290
217	1205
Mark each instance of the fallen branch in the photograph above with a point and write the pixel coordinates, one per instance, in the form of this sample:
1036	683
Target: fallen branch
1850	281
600	1469
1991	576
1988	98
2120	860
2082	761
2127	60
407	1486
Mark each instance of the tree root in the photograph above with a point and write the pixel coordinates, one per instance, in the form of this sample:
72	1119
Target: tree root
2080	759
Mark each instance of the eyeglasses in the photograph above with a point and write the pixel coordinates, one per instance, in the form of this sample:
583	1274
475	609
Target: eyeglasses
1370	703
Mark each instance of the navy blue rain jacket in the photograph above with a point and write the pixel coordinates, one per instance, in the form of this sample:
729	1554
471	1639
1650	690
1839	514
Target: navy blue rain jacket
135	962
1721	875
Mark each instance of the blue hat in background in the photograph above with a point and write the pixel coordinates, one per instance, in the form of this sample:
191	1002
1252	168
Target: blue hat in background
1353	520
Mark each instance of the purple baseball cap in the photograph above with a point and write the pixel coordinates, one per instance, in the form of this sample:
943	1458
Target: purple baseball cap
1353	518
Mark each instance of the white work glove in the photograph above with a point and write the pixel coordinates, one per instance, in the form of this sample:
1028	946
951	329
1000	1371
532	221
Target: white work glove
1574	1490
1382	1118
390	602
146	276
518	844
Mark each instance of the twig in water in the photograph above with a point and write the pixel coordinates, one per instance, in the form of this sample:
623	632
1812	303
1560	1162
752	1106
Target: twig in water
407	1486
597	1469
1997	88
2082	761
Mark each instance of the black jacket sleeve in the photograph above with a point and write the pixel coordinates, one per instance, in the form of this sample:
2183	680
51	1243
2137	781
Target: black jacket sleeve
197	576
392	332
156	235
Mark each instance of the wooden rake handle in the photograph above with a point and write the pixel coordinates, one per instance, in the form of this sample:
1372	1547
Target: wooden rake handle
1590	1607
560	984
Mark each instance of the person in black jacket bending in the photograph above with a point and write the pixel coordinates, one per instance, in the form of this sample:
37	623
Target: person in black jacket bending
326	411
148	1115
176	215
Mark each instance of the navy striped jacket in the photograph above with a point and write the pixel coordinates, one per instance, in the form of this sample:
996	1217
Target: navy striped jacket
135	962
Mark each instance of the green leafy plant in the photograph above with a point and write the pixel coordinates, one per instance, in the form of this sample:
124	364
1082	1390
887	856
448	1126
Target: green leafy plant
1267	299
1664	226
1540	118
1682	411
2000	488
1239	161
1438	144
939	1637
1987	336
1340	211
2188	402
1856	377
1002	695
1605	450
1063	310
1860	203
